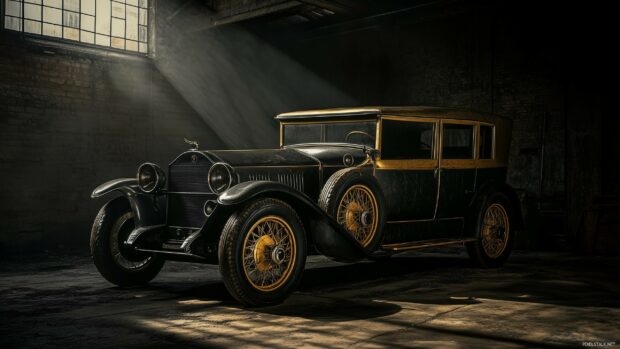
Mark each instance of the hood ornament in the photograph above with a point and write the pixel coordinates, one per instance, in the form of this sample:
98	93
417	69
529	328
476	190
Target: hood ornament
193	144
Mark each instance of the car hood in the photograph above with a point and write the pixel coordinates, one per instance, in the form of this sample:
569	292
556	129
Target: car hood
298	156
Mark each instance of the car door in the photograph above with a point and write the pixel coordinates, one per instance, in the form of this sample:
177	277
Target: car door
457	176
406	169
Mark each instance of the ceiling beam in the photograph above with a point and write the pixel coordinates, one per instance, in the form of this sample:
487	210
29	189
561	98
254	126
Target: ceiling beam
286	5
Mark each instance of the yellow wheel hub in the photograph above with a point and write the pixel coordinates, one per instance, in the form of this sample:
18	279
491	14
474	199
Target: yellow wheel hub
269	252
261	252
358	213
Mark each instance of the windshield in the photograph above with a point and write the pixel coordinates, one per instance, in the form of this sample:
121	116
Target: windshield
358	132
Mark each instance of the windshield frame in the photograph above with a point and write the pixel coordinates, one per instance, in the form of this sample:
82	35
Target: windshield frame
326	122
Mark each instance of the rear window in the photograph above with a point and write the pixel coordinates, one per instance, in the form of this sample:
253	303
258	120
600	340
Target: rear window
486	142
458	141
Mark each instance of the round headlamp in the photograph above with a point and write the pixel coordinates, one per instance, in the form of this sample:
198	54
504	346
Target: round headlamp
150	177
220	177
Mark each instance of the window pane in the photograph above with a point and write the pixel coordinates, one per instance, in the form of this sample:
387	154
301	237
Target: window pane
118	43
33	27
131	45
32	12
88	23
102	40
13	23
88	7
118	27
144	34
87	37
52	30
72	19
52	15
103	17
144	16
144	48
132	23
407	140
13	8
486	142
53	3
71	34
118	10
458	141
72	5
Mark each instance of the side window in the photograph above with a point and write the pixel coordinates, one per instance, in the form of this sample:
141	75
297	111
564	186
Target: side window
458	141
407	140
486	142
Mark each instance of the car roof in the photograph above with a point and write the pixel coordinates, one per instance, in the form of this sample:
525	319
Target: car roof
376	112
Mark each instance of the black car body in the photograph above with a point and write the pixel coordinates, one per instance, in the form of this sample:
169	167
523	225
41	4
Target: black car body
351	183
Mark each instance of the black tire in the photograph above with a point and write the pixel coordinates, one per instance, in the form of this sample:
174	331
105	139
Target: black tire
111	227
236	239
476	249
338	185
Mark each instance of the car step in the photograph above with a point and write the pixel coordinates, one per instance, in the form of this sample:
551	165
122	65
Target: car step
406	246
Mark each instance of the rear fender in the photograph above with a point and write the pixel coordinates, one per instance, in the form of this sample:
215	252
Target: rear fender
323	231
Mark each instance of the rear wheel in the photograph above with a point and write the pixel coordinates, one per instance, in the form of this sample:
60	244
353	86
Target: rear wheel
262	252
494	230
354	200
120	264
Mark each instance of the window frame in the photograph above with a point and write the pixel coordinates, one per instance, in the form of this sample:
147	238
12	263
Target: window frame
492	161
349	121
408	164
79	46
475	162
474	133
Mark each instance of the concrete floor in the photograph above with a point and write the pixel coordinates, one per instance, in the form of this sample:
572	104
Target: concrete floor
419	300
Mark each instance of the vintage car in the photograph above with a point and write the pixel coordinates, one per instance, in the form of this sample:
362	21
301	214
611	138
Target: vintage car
346	183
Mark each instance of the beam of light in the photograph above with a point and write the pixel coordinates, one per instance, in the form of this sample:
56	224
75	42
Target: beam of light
235	81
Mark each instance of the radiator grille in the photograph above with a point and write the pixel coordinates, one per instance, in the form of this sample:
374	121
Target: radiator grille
188	190
189	178
186	210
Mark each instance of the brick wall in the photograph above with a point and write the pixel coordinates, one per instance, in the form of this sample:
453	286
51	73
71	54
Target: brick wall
70	120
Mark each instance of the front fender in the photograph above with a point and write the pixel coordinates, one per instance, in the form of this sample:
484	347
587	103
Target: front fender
125	185
149	210
327	235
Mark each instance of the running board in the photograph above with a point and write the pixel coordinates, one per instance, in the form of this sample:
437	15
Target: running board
172	253
406	246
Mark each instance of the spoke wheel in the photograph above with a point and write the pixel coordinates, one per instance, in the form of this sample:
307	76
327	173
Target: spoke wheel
495	230
269	253
494	233
262	252
358	213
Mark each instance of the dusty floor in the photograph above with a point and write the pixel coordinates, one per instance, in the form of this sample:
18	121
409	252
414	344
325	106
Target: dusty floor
419	300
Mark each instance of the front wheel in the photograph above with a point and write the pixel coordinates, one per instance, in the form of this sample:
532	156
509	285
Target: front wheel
120	264
494	232
262	252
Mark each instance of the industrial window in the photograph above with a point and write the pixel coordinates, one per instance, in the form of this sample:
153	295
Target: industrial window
458	141
405	140
486	142
121	24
